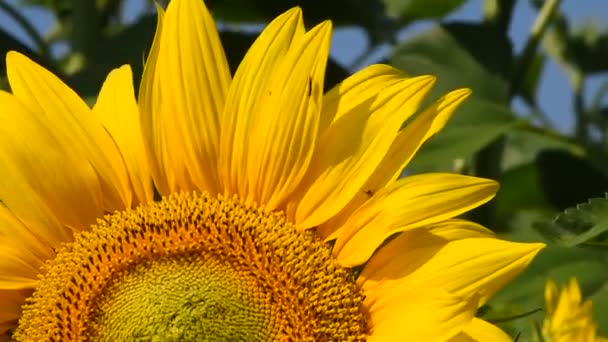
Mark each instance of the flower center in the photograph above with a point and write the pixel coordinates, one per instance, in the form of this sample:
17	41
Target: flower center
194	268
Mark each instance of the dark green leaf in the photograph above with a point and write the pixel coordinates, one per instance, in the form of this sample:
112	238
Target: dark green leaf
568	179
462	55
578	224
409	10
520	189
365	13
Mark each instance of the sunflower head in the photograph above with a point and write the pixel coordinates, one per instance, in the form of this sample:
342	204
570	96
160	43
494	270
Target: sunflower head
278	200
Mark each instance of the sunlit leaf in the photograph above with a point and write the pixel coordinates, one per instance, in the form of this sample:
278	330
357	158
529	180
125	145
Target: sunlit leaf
578	224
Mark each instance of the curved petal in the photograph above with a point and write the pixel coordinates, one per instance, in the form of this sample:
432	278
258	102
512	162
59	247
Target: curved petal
23	252
244	100
409	140
284	137
34	186
419	314
17	272
409	203
479	330
73	124
193	77
357	89
401	151
149	99
10	311
354	145
117	109
476	264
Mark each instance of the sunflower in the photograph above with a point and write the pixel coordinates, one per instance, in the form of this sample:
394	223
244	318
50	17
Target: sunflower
567	318
282	216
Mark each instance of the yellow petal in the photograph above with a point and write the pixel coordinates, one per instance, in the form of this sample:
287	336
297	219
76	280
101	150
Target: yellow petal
23	252
35	164
10	311
283	137
72	124
149	105
117	109
422	314
17	272
409	140
479	330
477	264
193	77
362	87
409	203
353	146
401	151
244	100
39	242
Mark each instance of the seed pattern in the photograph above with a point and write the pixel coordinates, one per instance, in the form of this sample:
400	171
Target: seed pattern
289	277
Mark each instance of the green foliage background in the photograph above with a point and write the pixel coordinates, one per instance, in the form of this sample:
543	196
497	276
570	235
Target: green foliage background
553	184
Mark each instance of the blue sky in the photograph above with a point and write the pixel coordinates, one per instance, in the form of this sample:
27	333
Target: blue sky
554	94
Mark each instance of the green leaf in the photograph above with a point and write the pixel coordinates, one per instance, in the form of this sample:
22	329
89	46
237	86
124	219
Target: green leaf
462	55
525	143
579	224
365	13
568	179
520	189
410	10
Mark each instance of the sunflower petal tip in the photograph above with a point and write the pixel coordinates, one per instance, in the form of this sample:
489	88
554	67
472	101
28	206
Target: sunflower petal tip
462	93
15	57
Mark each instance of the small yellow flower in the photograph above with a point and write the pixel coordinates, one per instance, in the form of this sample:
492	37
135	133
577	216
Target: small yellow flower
277	201
567	318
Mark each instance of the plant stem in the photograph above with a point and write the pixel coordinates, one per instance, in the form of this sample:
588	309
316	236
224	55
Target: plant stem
85	29
527	57
31	31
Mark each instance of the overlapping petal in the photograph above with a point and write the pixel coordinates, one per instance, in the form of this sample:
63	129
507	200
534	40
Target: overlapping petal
453	255
282	146
244	99
117	109
10	309
409	203
479	330
72	124
149	99
34	185
401	151
191	76
423	314
351	148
